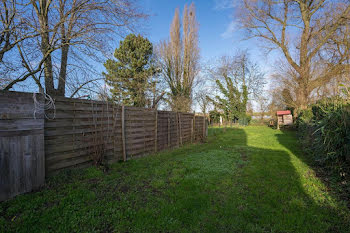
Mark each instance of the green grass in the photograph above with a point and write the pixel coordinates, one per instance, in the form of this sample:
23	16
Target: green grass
250	179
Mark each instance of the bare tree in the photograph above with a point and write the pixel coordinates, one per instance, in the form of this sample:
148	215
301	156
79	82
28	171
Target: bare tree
263	106
13	26
242	71
248	73
70	32
203	101
179	59
305	32
237	80
276	102
14	31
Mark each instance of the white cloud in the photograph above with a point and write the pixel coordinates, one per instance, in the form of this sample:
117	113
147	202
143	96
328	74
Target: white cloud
229	32
224	4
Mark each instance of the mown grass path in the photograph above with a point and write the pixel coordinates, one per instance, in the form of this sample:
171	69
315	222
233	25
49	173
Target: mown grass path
250	179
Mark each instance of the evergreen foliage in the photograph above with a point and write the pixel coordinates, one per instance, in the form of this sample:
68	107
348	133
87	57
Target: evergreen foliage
131	74
233	102
324	131
214	116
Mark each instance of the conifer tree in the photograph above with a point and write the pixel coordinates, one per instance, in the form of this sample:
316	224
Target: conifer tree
131	74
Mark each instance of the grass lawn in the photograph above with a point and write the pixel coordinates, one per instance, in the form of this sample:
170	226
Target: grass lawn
250	179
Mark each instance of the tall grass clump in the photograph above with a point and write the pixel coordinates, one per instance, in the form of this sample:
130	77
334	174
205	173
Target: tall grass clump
325	129
324	132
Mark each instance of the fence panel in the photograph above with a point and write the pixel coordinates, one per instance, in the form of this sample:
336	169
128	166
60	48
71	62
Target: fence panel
80	131
167	130
140	127
22	159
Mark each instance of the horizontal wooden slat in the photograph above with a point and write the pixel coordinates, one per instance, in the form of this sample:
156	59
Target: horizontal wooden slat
69	136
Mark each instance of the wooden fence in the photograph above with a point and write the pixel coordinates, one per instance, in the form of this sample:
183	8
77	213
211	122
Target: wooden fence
22	159
81	126
32	146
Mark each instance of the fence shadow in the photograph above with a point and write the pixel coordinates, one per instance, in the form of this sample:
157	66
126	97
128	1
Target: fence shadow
323	174
242	180
275	189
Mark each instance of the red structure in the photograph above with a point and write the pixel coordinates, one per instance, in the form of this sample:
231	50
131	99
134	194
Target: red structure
285	112
284	118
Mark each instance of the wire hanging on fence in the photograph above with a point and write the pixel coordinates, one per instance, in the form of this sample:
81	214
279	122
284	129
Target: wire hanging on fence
49	103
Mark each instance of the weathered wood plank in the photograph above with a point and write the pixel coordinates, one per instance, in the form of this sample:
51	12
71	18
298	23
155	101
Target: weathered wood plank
67	136
21	144
123	133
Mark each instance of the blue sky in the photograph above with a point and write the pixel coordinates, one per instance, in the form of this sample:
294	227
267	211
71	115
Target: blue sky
218	33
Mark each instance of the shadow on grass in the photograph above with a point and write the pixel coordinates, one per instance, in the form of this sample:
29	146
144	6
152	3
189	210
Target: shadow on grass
224	185
328	175
283	195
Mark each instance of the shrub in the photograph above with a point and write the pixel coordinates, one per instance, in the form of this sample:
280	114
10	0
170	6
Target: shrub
259	122
333	131
326	106
324	130
305	117
214	116
305	126
244	120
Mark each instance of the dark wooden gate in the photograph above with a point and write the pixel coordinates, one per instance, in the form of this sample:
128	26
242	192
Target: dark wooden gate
22	159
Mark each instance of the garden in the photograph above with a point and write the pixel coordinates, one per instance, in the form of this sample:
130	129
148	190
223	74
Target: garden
243	179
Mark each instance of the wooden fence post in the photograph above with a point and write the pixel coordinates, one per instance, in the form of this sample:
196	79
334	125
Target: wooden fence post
144	138
203	128
114	129
192	123
74	139
194	126
169	142
123	133
180	128
156	133
177	128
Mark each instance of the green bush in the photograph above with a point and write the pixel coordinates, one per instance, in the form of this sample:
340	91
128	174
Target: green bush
244	120
259	122
305	126
214	116
333	131
305	117
324	131
326	106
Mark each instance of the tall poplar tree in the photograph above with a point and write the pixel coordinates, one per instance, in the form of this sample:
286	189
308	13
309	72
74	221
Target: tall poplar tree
179	59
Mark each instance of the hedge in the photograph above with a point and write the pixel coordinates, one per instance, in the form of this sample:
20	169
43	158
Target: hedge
324	131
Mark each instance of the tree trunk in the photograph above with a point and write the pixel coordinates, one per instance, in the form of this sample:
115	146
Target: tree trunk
49	84
42	12
302	94
61	91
